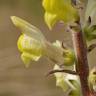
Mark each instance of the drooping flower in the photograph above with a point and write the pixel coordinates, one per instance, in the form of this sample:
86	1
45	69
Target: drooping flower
31	41
32	45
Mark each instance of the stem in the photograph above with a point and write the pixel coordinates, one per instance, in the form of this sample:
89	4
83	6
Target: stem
82	67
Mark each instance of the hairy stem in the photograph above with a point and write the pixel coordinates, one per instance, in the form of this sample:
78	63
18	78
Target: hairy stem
82	67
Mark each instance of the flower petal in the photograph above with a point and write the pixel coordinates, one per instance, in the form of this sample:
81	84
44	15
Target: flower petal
27	58
27	28
28	44
50	19
62	10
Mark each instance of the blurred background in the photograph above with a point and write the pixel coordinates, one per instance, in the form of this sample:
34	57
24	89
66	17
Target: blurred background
15	79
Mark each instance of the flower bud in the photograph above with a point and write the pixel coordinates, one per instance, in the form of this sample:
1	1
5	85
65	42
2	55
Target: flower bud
69	57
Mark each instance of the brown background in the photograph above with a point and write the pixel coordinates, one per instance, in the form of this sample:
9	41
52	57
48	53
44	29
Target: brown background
15	79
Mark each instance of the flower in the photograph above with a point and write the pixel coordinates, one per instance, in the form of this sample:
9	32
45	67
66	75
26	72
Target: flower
31	49
32	44
68	82
59	10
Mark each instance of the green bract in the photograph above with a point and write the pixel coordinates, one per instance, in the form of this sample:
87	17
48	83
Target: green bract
59	10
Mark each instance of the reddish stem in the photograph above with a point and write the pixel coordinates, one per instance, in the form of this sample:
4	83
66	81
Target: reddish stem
82	67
